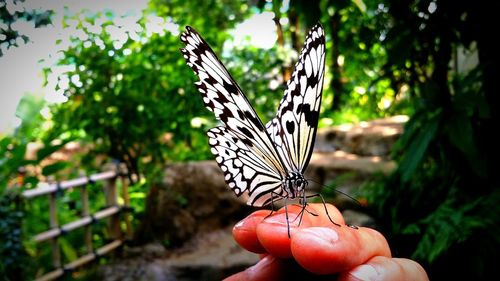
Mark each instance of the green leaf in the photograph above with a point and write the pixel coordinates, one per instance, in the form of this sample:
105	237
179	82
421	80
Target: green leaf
461	135
67	249
54	168
418	146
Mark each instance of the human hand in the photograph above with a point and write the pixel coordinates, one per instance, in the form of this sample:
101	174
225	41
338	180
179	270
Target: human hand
318	249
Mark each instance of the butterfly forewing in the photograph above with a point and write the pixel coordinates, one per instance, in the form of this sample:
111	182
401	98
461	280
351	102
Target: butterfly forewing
293	130
224	98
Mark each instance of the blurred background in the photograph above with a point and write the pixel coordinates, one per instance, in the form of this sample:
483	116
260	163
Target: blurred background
408	128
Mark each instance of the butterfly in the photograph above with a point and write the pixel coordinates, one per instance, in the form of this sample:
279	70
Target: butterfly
265	161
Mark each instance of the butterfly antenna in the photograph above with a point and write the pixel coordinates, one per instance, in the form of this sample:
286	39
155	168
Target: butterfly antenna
341	192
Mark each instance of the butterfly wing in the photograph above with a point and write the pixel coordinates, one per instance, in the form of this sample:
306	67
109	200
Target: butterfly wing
293	130
242	170
242	126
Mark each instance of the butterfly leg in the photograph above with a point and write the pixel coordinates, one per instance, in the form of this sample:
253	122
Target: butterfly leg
287	220
272	204
303	205
324	205
303	201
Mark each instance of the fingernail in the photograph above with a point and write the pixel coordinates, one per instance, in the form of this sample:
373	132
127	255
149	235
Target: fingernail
247	224
322	234
364	272
277	219
240	225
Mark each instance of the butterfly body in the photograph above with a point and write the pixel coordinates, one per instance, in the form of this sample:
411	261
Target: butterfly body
294	185
267	162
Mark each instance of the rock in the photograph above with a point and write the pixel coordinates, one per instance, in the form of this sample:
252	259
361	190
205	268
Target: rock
192	198
208	256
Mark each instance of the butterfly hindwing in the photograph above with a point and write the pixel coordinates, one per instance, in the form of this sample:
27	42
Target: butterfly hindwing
243	172
293	130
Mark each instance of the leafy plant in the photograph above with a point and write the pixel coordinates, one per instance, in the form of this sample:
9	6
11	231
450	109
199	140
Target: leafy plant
440	206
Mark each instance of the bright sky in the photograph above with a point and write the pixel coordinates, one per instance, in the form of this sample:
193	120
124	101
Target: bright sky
20	70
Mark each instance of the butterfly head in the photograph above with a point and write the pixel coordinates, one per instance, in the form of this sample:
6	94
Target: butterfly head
294	184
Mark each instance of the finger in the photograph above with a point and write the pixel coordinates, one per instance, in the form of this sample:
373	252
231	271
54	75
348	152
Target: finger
276	269
388	269
245	233
274	234
273	231
332	249
268	268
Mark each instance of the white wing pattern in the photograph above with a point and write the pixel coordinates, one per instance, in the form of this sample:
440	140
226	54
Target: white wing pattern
293	130
265	163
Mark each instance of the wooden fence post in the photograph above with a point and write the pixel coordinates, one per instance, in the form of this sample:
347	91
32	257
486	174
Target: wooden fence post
56	254
85	213
111	200
126	199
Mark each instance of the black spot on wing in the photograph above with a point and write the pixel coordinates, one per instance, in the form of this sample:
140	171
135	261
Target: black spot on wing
310	116
222	99
290	127
255	120
312	81
240	114
246	132
247	142
225	115
231	88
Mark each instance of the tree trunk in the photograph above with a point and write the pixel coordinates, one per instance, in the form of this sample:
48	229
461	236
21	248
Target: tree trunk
336	83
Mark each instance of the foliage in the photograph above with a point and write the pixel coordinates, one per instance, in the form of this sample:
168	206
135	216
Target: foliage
17	171
112	94
12	12
440	206
15	259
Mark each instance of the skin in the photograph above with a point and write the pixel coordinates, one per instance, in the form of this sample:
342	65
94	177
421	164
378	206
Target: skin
318	249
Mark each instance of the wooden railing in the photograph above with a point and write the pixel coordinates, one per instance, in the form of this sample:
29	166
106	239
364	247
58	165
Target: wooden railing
111	212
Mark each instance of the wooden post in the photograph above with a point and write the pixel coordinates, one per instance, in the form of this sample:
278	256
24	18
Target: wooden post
56	255
111	200
126	204
86	212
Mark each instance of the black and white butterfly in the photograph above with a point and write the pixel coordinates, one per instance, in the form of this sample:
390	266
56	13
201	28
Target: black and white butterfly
267	162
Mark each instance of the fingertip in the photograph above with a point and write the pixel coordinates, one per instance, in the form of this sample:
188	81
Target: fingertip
273	235
245	232
333	249
327	214
317	250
